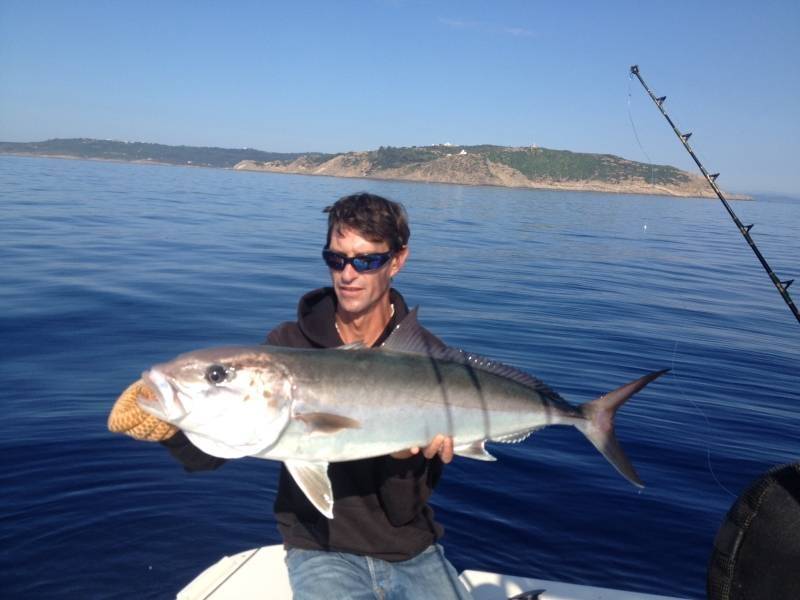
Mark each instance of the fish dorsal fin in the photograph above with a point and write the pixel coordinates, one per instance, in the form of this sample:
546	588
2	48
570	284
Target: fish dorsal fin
409	337
482	363
312	478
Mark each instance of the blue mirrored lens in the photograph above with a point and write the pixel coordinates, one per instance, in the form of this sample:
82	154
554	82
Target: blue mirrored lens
361	263
333	260
367	263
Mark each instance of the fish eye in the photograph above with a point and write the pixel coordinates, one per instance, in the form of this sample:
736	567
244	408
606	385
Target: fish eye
216	374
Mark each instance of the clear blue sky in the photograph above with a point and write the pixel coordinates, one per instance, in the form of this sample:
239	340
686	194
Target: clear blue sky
337	76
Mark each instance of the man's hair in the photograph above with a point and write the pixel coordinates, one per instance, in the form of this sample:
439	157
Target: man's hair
374	217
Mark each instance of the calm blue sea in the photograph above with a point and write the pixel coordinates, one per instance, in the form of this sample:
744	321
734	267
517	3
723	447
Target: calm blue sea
106	268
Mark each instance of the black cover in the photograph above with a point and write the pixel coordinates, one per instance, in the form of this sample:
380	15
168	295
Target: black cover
756	553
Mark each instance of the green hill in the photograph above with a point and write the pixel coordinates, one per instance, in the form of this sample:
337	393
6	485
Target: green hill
224	158
537	163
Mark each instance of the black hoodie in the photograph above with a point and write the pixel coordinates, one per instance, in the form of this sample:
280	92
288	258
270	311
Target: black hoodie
380	504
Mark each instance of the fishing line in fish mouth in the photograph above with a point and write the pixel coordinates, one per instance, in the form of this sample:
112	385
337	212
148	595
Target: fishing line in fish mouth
709	428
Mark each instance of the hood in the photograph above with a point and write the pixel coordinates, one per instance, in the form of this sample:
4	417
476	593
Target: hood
316	311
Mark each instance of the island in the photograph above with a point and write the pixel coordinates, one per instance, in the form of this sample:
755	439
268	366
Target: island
518	167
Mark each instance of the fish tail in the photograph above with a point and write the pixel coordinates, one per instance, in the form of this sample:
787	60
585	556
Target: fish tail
598	424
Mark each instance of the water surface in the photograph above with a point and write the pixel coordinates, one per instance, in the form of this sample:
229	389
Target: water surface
108	268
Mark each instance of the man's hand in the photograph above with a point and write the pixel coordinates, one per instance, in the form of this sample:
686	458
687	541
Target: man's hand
441	445
128	418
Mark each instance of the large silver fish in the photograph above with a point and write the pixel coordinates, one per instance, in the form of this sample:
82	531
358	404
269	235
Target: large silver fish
308	408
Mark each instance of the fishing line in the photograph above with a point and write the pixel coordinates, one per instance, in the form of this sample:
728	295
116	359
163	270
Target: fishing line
711	178
705	418
636	133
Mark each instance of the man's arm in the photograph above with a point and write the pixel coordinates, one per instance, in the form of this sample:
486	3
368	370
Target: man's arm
406	486
409	476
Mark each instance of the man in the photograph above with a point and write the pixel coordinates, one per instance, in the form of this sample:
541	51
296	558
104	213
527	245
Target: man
381	542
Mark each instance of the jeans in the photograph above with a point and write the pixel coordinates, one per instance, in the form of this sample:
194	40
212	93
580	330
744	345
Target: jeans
317	575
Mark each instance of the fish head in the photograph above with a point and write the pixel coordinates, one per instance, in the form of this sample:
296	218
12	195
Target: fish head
230	402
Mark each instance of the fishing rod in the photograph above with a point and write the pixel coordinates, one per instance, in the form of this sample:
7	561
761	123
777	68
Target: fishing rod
711	178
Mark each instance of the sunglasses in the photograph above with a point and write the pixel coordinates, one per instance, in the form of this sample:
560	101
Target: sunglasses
361	262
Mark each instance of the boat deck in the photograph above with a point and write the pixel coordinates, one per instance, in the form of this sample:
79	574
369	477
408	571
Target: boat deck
261	573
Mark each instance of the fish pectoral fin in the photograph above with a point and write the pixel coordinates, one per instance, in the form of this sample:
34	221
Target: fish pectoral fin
321	422
312	478
476	450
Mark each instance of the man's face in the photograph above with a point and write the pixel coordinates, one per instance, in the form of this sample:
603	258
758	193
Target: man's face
359	293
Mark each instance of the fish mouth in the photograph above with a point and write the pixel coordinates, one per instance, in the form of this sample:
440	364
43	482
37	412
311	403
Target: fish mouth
164	401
